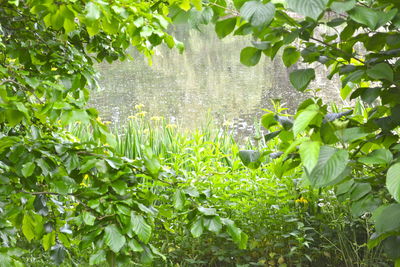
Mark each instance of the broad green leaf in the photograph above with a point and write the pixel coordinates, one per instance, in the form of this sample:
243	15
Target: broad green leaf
391	247
197	228
300	79
290	56
179	199
381	71
331	164
97	258
58	254
342	6
225	27
257	13
360	190
309	153
286	122
234	232
49	240
365	15
213	224
268	120
135	245
304	118
93	12
140	227
250	56
113	238
88	218
378	156
250	158
28	169
349	135
387	218
309	8
393	181
364	205
207	211
28	227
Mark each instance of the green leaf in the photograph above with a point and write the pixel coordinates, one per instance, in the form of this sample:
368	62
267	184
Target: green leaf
113	238
250	56
28	227
342	6
360	190
48	240
225	27
365	15
309	8
213	224
88	218
179	199
387	219
381	71
393	181
349	135
28	169
378	156
197	228
363	205
98	257
268	120
58	254
92	11
309	153
304	118
290	56
257	13
140	228
207	211
250	158
300	79
331	164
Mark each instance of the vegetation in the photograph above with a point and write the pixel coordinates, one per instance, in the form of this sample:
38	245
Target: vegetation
106	199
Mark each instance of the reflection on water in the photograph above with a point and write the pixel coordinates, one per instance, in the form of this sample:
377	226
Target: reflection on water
184	87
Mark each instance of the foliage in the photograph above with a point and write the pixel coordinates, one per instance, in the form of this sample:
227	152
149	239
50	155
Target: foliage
60	196
356	151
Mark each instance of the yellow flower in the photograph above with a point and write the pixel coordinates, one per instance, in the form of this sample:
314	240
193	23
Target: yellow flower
171	126
107	122
139	106
83	184
302	200
156	118
98	119
132	117
53	69
86	176
141	114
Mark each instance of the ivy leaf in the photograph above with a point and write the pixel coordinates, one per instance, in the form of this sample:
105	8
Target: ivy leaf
140	228
331	164
290	56
257	13
309	8
300	79
250	56
393	181
304	118
113	238
381	71
197	228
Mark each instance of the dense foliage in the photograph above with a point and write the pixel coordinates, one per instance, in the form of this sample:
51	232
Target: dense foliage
66	196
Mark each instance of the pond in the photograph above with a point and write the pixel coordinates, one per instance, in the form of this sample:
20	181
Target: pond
207	78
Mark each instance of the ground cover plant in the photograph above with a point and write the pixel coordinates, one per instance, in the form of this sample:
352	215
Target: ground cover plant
61	196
